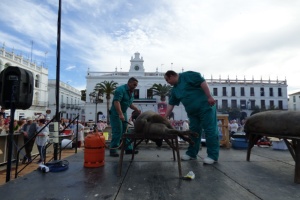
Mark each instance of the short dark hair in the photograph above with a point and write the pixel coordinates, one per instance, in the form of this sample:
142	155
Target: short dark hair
42	121
170	73
132	79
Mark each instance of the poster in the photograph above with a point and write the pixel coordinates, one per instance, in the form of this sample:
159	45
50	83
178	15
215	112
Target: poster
162	108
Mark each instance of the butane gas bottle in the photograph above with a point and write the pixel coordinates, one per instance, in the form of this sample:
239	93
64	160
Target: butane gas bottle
94	149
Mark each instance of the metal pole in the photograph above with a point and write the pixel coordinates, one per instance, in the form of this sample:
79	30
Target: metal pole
10	138
57	117
96	115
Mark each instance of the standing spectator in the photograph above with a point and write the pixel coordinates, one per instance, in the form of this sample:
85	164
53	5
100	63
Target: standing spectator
191	89
4	129
80	132
42	139
17	126
2	112
185	125
48	119
101	126
233	126
123	99
28	130
7	120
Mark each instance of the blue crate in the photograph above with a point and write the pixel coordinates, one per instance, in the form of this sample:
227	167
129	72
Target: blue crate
239	143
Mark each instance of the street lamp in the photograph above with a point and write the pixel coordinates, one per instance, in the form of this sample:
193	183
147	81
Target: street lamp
96	97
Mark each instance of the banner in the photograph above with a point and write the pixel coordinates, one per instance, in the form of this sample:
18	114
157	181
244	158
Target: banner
162	108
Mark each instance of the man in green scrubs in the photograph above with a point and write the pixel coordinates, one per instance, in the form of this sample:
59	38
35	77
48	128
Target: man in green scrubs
123	98
191	89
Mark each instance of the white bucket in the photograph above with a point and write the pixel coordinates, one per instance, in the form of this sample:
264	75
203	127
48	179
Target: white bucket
67	144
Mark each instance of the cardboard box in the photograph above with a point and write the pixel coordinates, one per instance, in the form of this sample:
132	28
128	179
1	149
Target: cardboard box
279	145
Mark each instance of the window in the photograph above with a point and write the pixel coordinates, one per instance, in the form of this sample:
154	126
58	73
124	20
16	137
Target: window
224	104
272	104
37	81
279	92
280	105
263	104
215	91
252	91
271	92
233	91
61	98
36	99
149	94
224	91
233	104
252	104
243	104
294	99
242	91
262	92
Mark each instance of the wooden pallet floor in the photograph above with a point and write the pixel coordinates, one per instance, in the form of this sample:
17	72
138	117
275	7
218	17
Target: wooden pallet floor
33	166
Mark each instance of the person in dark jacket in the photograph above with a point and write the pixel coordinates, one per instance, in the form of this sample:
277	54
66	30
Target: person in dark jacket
29	131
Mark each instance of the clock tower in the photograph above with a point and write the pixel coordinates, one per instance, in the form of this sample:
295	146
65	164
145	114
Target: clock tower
136	65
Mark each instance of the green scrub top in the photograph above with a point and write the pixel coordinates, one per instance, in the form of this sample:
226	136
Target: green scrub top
122	94
188	91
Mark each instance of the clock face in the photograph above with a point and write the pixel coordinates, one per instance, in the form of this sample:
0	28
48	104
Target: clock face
136	67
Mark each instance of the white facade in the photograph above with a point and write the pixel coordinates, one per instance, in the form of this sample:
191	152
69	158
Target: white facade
246	94
40	75
70	103
242	94
294	101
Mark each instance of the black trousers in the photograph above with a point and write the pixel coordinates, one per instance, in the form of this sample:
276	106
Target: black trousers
28	148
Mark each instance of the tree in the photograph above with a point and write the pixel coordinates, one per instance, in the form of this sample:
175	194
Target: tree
234	113
108	88
161	90
255	110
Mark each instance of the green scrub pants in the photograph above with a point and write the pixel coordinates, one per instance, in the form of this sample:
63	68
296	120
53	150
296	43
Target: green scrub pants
118	128
206	119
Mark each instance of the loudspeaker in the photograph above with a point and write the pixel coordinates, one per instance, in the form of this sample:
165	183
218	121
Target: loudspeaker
16	88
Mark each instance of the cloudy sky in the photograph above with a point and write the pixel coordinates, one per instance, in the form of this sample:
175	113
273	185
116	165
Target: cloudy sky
227	38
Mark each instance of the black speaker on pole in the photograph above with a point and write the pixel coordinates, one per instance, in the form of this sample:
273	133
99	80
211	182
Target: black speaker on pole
16	87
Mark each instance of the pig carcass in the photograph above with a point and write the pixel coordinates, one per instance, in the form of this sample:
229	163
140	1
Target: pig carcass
151	123
274	123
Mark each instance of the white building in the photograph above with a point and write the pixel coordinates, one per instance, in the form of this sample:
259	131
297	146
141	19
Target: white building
243	94
247	94
294	101
70	103
40	75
